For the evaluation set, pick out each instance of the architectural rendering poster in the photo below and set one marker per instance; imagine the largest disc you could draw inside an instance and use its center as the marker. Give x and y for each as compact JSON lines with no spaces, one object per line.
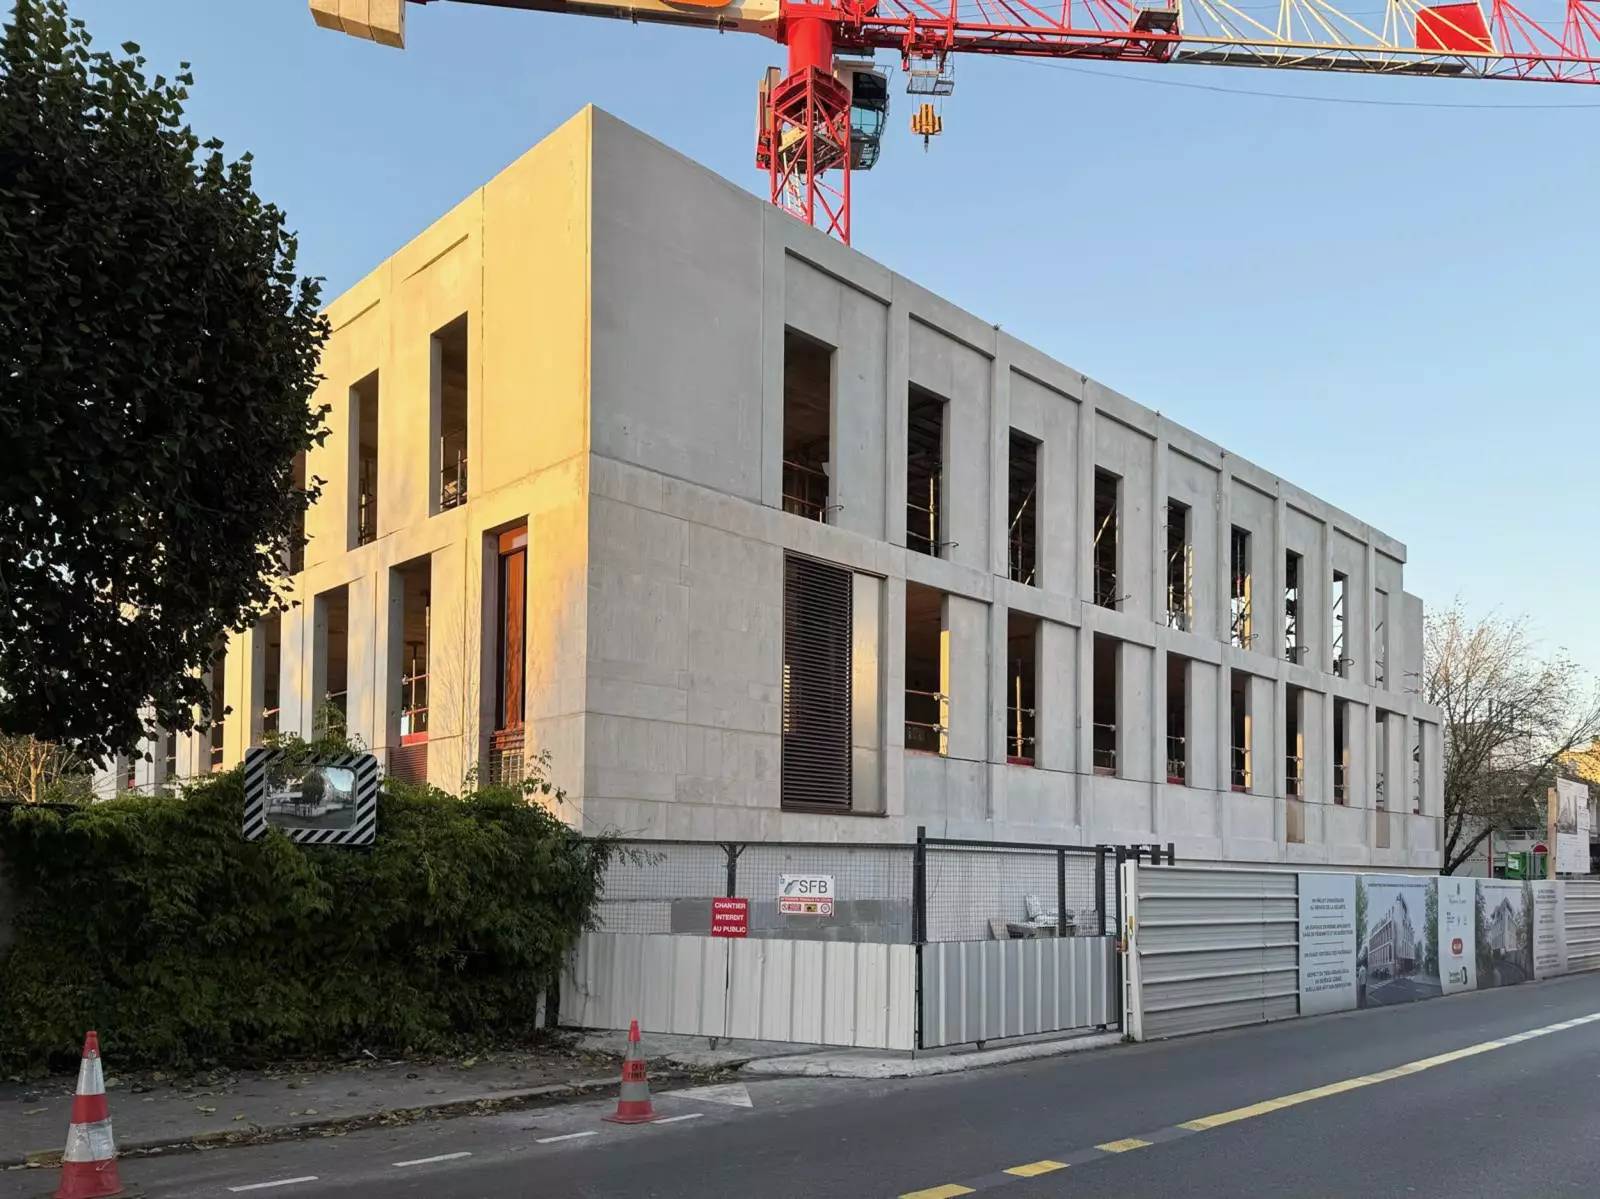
{"x":1570,"y":816}
{"x":1504,"y":925}
{"x":1327,"y":943}
{"x":1458,"y":942}
{"x":1549,"y":929}
{"x":1397,"y":929}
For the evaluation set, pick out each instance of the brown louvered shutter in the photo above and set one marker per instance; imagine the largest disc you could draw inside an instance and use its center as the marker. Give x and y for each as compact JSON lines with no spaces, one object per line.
{"x":816,"y":684}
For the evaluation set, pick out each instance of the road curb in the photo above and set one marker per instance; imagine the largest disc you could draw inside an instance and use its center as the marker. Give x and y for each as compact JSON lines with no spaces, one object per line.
{"x":856,"y":1065}
{"x":484,"y":1102}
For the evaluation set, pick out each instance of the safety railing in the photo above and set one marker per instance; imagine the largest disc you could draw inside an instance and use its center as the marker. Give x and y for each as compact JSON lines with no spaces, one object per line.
{"x":1239,"y":768}
{"x":1177,"y":758}
{"x":925,"y":729}
{"x":1105,"y":748}
{"x":805,"y":490}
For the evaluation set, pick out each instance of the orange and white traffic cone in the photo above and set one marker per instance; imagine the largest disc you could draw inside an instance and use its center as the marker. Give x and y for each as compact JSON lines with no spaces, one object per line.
{"x":89,"y":1164}
{"x":633,"y":1103}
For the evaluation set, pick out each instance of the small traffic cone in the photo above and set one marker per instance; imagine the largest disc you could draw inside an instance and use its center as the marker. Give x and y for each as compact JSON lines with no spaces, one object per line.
{"x":633,"y":1103}
{"x":89,"y":1163}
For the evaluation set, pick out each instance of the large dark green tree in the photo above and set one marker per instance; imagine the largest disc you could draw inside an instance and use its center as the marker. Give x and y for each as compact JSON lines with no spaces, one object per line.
{"x":158,"y":356}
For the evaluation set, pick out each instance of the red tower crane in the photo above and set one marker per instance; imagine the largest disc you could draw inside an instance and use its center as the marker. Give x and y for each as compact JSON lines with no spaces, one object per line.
{"x":821,"y":119}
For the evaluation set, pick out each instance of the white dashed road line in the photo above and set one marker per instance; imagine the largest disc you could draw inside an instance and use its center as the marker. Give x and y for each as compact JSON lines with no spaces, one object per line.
{"x":428,"y":1161}
{"x":566,"y":1136}
{"x":675,"y":1119}
{"x":282,"y":1182}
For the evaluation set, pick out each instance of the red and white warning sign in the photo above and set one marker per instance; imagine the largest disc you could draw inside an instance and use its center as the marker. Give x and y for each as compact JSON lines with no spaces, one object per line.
{"x":730,"y":917}
{"x":805,"y":895}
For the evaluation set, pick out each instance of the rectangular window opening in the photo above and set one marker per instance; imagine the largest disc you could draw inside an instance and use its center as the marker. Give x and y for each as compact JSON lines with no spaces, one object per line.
{"x":1242,"y":631}
{"x":1177,"y":719}
{"x":1180,"y":568}
{"x":414,"y":582}
{"x":364,"y":426}
{"x":331,"y":661}
{"x":807,"y":425}
{"x":1380,"y":639}
{"x":1294,"y":764}
{"x":1022,"y":647}
{"x":450,"y":372}
{"x":1380,"y":786}
{"x":1023,"y":510}
{"x":1341,"y":751}
{"x":506,"y":570}
{"x":817,"y":623}
{"x":271,"y":673}
{"x":1107,"y":687}
{"x":1417,"y":762}
{"x":925,"y":522}
{"x":927,"y":699}
{"x":218,"y":680}
{"x":171,"y":765}
{"x":1107,"y":517}
{"x":1291,"y":606}
{"x":1239,"y":723}
{"x":1336,"y":610}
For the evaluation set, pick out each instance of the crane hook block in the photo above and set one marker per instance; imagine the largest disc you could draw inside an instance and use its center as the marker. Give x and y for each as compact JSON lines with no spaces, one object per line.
{"x":926,"y":123}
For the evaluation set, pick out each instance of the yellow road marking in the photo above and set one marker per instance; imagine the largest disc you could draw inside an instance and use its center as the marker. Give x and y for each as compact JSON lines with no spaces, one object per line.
{"x":948,"y":1191}
{"x":1336,"y":1088}
{"x":1034,"y":1169}
{"x":1123,"y":1145}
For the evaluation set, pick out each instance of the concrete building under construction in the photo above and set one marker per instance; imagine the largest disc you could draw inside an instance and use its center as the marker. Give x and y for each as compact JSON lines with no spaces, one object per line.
{"x":761,"y":540}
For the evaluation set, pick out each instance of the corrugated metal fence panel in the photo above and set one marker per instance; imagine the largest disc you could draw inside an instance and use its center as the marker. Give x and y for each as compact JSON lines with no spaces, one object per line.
{"x":985,"y":990}
{"x":1583,"y":925}
{"x":1217,"y":948}
{"x":814,"y":992}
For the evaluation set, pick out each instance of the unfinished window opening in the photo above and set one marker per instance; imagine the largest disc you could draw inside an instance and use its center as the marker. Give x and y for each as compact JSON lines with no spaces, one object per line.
{"x":1380,"y":639}
{"x":1336,"y":610}
{"x":1023,"y":510}
{"x":450,"y":376}
{"x":297,"y":544}
{"x":170,"y":766}
{"x":1022,"y":647}
{"x":508,"y":561}
{"x":271,"y":633}
{"x":364,"y":428}
{"x":1106,"y":696}
{"x":1107,"y":508}
{"x":1241,"y":628}
{"x":927,"y":701}
{"x":925,"y":473}
{"x":1380,"y":784}
{"x":817,"y":616}
{"x":1341,"y":751}
{"x":1417,"y":752}
{"x":807,"y":422}
{"x":1291,"y":606}
{"x":1177,"y":719}
{"x":1180,"y":568}
{"x":130,"y":777}
{"x":1294,"y":763}
{"x":330,"y":661}
{"x":414,"y":582}
{"x":218,"y":681}
{"x":1239,"y":723}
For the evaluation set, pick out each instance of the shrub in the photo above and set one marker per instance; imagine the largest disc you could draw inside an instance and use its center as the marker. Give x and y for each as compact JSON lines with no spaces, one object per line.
{"x":150,"y":919}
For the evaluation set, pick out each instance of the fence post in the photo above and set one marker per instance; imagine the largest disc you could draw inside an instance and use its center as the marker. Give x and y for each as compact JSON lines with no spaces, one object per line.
{"x":919,"y":888}
{"x":1061,"y":892}
{"x":1100,"y":886}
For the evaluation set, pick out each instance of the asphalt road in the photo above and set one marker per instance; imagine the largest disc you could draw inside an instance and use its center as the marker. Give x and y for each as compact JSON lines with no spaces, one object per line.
{"x":1420,"y":1099}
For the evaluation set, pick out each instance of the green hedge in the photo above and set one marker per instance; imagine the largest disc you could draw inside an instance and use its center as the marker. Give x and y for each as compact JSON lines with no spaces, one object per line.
{"x":151,"y":920}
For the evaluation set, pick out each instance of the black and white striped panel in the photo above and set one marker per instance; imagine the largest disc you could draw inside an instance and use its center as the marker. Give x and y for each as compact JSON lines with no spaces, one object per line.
{"x":258,"y":759}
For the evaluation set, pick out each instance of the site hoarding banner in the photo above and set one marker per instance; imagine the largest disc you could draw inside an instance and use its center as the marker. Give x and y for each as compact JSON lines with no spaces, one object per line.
{"x":1397,"y":938}
{"x":1549,"y":929}
{"x":1327,"y":943}
{"x":1569,"y":822}
{"x":1503,"y":924}
{"x":1458,"y":942}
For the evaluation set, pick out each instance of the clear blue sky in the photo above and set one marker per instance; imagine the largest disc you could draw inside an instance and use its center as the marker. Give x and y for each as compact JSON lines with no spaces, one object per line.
{"x":1393,"y":306}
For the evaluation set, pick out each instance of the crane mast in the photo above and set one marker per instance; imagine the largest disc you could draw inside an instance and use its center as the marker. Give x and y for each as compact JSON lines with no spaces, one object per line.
{"x":821,"y":116}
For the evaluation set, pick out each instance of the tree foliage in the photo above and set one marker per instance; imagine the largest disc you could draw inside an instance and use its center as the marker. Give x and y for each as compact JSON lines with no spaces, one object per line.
{"x":1510,"y":717}
{"x":150,"y":919}
{"x":158,"y":355}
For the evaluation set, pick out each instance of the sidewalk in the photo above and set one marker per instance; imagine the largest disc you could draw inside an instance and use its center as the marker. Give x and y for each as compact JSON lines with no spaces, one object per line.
{"x":153,"y":1110}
